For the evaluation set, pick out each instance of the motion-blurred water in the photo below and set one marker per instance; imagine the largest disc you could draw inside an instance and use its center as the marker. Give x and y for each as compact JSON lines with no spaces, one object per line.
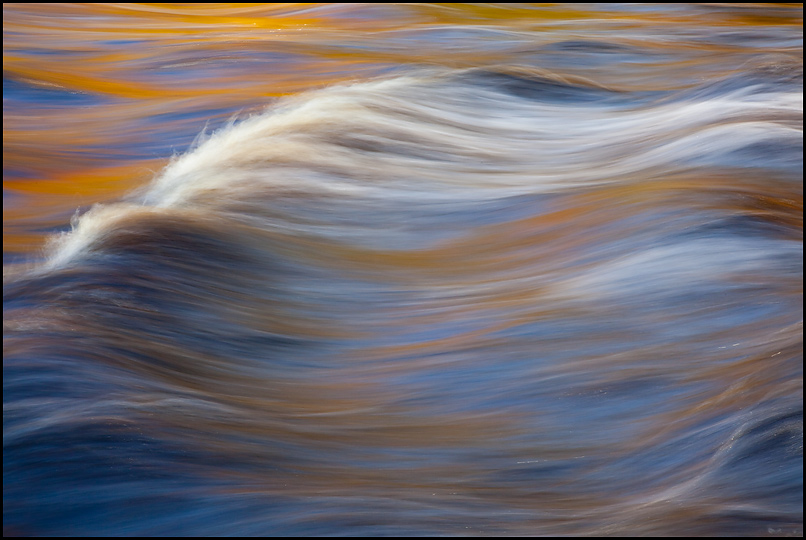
{"x":432,"y":269}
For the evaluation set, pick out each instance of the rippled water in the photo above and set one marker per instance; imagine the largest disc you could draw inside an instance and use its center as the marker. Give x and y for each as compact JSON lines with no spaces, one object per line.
{"x":431,"y":269}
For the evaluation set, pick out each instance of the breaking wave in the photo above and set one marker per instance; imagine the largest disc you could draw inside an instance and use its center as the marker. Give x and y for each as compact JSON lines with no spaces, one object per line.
{"x":495,"y":302}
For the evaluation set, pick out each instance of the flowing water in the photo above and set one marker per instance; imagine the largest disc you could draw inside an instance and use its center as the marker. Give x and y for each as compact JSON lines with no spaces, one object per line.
{"x":403,"y":269}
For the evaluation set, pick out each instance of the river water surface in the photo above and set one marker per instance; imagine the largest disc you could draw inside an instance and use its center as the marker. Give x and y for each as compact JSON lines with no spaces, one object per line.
{"x":402,"y":269}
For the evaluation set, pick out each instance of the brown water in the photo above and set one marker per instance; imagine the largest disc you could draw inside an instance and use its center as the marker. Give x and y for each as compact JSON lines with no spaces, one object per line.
{"x":507,"y":270}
